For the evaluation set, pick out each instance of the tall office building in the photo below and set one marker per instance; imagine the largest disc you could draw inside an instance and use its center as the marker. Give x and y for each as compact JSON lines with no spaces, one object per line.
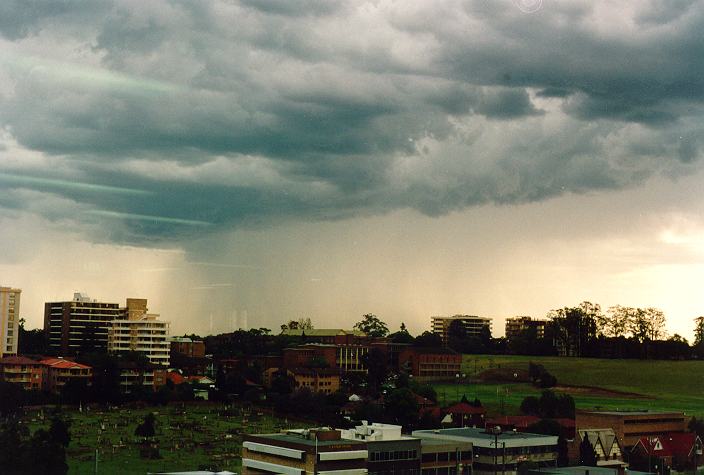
{"x":473,"y":325}
{"x":9,"y":320}
{"x":140,"y":331}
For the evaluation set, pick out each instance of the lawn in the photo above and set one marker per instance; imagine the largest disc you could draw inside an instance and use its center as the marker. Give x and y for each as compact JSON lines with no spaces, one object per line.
{"x":189,"y":437}
{"x":666,"y":385}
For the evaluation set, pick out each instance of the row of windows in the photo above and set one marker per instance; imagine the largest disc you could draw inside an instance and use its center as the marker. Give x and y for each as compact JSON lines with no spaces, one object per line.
{"x":539,"y":449}
{"x":395,"y":455}
{"x":447,"y":456}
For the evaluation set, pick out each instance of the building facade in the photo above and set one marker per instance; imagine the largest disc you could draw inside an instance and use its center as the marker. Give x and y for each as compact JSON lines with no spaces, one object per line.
{"x":79,"y":325}
{"x":27,"y":373}
{"x":630,"y":426}
{"x":300,"y":452}
{"x":322,"y":380}
{"x":473,"y":325}
{"x":390,"y":452}
{"x":517,"y":325}
{"x":9,"y":320}
{"x":60,"y":371}
{"x":140,"y":332}
{"x":188,"y":347}
{"x":503,"y":452}
{"x":444,"y":457}
{"x":430,"y":364}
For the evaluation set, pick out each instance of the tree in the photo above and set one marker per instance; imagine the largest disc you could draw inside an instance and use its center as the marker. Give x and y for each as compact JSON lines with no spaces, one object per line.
{"x":376,"y":361}
{"x":647,"y":324}
{"x":575,"y":328}
{"x":457,"y":336}
{"x":58,"y":431}
{"x":401,"y":408}
{"x":530,"y":406}
{"x":372,"y":325}
{"x":402,"y":336}
{"x":31,"y":342}
{"x":11,"y":398}
{"x":697,"y":426}
{"x":146,"y":428}
{"x":699,"y":333}
{"x":428,"y":340}
{"x":587,"y":454}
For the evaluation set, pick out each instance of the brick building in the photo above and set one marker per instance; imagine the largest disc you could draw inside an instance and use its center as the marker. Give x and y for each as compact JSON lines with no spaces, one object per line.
{"x":630,"y":426}
{"x":678,"y":451}
{"x":29,"y":374}
{"x":60,"y":371}
{"x":188,"y":347}
{"x":323,"y":380}
{"x":430,"y":364}
{"x":305,"y":355}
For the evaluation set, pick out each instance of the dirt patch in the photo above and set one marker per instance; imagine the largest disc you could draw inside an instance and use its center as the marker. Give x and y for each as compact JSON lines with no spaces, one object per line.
{"x":599,"y":392}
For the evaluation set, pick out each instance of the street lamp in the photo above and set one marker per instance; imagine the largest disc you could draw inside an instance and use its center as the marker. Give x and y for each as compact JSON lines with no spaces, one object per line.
{"x":496,"y":431}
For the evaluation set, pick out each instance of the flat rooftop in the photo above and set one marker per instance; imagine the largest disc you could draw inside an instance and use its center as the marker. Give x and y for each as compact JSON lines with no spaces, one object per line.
{"x":297,"y":439}
{"x":480,"y":438}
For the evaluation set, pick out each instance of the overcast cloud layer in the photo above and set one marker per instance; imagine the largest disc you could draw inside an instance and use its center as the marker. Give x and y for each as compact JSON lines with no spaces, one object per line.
{"x":159,"y":120}
{"x":168,"y":124}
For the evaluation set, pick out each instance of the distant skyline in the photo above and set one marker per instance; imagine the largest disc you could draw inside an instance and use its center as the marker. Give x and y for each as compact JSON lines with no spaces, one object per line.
{"x":330,"y":158}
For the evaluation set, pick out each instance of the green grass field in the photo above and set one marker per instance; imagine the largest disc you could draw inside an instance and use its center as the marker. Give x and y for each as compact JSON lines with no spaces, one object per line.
{"x":666,"y":385}
{"x":189,"y":437}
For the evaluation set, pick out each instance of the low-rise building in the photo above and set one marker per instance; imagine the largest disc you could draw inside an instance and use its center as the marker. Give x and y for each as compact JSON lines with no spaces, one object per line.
{"x":606,"y":446}
{"x":442,"y":457}
{"x":667,"y":452}
{"x":499,"y":451}
{"x":299,"y":452}
{"x":28,"y":373}
{"x":60,"y":371}
{"x":430,"y":364}
{"x":188,"y":347}
{"x":389,"y":450}
{"x":133,"y":375}
{"x":310,"y":354}
{"x":630,"y":426}
{"x":464,"y":414}
{"x":323,"y":380}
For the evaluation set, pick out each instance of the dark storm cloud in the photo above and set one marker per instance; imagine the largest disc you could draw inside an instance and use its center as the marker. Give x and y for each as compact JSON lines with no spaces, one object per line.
{"x":230,"y":112}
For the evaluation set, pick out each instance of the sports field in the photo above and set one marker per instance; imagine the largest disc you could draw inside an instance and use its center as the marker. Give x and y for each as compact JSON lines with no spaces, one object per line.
{"x":593,"y":383}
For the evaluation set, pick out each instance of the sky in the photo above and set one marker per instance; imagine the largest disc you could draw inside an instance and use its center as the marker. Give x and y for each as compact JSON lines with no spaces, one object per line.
{"x":241,"y":163}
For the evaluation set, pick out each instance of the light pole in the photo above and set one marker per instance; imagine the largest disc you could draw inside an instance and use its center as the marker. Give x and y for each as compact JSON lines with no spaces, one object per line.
{"x":457,"y":386}
{"x":496,"y":431}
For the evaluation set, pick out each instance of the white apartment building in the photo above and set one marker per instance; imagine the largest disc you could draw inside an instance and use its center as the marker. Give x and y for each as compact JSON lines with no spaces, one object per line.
{"x":9,"y":320}
{"x":141,"y":332}
{"x":472,"y":324}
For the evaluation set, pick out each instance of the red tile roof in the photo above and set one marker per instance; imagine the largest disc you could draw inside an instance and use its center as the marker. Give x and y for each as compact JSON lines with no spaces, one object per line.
{"x":678,"y":444}
{"x":63,"y":364}
{"x":18,"y":360}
